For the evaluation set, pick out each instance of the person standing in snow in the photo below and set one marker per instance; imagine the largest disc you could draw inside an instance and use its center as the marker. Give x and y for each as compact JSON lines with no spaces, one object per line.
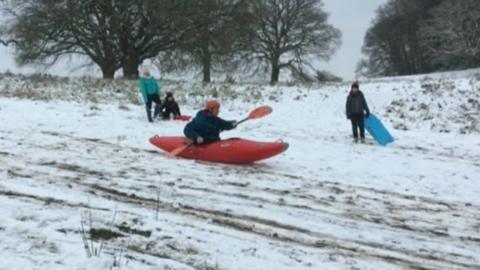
{"x":170,"y":107}
{"x":206,"y":126}
{"x":151,"y":93}
{"x":357,"y":109}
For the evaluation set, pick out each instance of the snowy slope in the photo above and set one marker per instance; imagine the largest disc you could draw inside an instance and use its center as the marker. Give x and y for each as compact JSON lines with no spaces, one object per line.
{"x":71,"y":151}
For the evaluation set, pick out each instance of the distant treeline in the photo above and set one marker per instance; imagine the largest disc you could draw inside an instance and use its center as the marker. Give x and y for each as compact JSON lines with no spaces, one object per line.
{"x":226,"y":35}
{"x":421,"y":36}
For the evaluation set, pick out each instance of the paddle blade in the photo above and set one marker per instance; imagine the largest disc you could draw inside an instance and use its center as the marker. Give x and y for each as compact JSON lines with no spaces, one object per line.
{"x":175,"y":152}
{"x":260,"y":112}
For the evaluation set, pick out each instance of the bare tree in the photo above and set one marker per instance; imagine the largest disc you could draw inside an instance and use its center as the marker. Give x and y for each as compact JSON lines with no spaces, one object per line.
{"x":212,"y":43}
{"x":146,"y":28}
{"x":45,"y":30}
{"x":451,"y":36}
{"x":111,"y":33}
{"x":286,"y":32}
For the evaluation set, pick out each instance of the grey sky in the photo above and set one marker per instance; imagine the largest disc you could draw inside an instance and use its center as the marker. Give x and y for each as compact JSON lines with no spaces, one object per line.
{"x":352,"y":17}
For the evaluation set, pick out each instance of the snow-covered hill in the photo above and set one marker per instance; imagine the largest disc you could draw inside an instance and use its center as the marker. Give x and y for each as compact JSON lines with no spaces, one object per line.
{"x":76,"y":151}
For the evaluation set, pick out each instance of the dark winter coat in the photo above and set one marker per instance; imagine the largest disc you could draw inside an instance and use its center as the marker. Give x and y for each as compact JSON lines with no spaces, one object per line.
{"x":356,"y":104}
{"x":170,"y":107}
{"x":207,"y":126}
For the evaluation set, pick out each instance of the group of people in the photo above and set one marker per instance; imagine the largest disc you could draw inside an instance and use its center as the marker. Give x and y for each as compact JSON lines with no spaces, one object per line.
{"x":166,"y":109}
{"x":206,"y":126}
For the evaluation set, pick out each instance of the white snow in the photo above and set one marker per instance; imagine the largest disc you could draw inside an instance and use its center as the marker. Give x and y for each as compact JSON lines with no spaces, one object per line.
{"x":76,"y":150}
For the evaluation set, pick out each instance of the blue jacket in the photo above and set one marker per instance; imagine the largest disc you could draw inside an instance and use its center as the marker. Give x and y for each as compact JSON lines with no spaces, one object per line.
{"x":356,"y":104}
{"x":206,"y":126}
{"x":149,"y":86}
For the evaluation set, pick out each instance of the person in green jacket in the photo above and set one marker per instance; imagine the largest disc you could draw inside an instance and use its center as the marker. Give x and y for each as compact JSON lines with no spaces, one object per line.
{"x":151,"y":93}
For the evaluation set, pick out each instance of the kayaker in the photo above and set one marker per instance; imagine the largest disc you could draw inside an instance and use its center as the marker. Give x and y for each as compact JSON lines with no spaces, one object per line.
{"x":206,"y":126}
{"x":150,"y":93}
{"x":170,"y":109}
{"x":357,"y":109}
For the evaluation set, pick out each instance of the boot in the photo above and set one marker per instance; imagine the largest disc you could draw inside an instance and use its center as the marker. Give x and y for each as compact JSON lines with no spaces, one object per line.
{"x":149,"y":115}
{"x":156,"y":111}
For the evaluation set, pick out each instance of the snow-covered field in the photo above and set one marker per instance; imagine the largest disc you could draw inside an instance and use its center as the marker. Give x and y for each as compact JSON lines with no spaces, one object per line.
{"x":71,"y":156}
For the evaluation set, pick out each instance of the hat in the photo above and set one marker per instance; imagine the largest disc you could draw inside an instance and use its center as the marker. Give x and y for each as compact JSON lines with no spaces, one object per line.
{"x":212,"y":104}
{"x":355,"y":85}
{"x":169,"y":94}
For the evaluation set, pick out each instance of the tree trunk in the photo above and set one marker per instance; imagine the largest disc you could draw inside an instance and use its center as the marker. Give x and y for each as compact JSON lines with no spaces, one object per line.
{"x":130,"y":61}
{"x":108,"y":71}
{"x":130,"y":67}
{"x":206,"y":72}
{"x":275,"y":72}
{"x":206,"y":64}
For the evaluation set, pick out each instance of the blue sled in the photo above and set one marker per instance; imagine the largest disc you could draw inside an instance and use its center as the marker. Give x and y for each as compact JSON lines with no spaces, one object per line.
{"x":375,"y":127}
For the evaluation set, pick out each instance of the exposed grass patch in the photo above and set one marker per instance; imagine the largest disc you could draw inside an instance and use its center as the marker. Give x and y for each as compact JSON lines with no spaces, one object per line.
{"x":28,"y":93}
{"x":103,"y":234}
{"x":124,"y":227}
{"x":123,"y":107}
{"x":64,"y":231}
{"x":123,"y":92}
{"x":477,"y":76}
{"x":115,"y":192}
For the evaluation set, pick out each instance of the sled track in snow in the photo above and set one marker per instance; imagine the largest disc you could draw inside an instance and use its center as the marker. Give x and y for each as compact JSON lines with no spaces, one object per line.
{"x":131,"y":176}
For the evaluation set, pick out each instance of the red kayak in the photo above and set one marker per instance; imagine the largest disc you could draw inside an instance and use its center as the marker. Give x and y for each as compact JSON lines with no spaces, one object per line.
{"x":233,"y":151}
{"x":183,"y":117}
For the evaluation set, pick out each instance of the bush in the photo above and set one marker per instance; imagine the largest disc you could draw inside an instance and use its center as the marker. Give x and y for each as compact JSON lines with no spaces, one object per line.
{"x":325,"y":76}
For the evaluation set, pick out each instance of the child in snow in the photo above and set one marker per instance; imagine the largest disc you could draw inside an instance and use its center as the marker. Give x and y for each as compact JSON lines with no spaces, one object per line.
{"x":170,"y":109}
{"x":356,"y":109}
{"x":150,"y":93}
{"x":206,"y":126}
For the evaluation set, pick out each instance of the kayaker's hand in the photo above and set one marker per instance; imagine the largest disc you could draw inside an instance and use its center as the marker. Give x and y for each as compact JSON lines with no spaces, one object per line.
{"x":199,"y":139}
{"x":234,"y":124}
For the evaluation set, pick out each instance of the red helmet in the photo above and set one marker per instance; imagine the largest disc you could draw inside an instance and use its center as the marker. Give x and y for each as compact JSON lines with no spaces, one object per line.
{"x":211,"y":105}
